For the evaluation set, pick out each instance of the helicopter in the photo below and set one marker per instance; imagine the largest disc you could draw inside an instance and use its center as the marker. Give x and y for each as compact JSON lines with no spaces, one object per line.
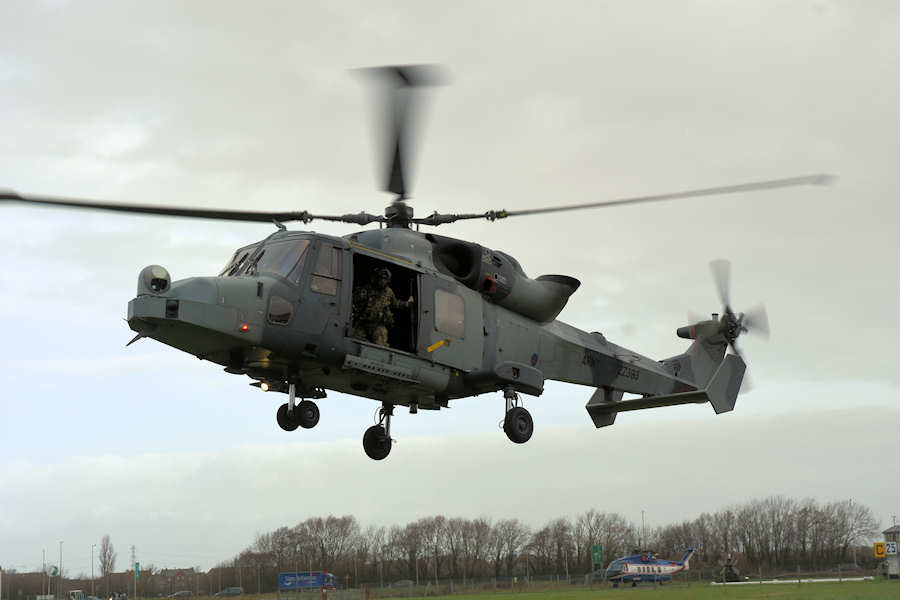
{"x":645,"y":566}
{"x":284,"y":310}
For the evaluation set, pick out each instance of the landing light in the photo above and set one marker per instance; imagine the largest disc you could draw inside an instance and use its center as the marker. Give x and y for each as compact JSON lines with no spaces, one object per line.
{"x":264,"y":386}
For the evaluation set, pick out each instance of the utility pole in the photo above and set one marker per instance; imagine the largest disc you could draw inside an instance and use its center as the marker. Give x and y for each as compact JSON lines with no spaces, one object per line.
{"x":642,"y":531}
{"x":43,"y":570}
{"x":853,"y":519}
{"x":59,"y":579}
{"x":92,"y":569}
{"x":134,"y":566}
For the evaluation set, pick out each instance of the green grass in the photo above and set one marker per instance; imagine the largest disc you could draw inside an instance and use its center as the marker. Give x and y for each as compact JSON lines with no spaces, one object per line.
{"x":814,"y":591}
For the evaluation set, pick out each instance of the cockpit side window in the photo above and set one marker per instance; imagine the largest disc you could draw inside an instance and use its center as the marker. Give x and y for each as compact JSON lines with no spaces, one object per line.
{"x":328,"y":270}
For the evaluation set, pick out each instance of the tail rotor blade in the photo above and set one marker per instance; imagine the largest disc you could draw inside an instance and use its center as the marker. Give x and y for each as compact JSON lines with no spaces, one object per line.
{"x":747,"y":384}
{"x":757,"y":321}
{"x":721,"y":270}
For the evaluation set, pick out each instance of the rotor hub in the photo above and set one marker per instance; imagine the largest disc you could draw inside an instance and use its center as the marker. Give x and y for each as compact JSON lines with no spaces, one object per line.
{"x":398,"y":214}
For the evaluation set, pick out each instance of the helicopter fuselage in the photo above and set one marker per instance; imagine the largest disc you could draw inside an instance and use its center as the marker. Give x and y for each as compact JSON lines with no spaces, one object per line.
{"x":281,"y":312}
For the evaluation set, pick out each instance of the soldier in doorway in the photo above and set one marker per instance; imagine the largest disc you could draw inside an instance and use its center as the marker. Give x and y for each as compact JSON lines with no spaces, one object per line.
{"x":373,"y":308}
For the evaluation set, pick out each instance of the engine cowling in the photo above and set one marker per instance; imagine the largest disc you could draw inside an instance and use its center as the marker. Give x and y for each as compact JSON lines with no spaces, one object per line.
{"x":500,"y":278}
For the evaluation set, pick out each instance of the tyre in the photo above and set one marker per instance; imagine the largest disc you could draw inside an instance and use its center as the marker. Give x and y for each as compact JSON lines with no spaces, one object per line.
{"x":376,"y":443}
{"x":284,"y":419}
{"x":307,"y":414}
{"x":518,"y":425}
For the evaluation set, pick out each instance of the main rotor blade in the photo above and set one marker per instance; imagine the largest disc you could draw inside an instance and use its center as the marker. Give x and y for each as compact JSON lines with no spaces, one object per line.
{"x":198,"y":213}
{"x":493,"y":215}
{"x":401,"y":104}
{"x":721,"y":270}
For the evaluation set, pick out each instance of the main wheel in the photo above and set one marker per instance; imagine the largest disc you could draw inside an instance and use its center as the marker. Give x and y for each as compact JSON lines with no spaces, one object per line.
{"x":307,"y":414}
{"x":376,"y":443}
{"x":518,"y":425}
{"x":285,"y":420}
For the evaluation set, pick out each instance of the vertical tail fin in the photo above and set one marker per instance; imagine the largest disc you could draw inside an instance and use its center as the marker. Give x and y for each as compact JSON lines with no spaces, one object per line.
{"x":685,"y":560}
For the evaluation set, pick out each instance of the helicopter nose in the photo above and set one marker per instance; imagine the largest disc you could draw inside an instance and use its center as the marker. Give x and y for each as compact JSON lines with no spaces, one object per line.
{"x":200,"y":315}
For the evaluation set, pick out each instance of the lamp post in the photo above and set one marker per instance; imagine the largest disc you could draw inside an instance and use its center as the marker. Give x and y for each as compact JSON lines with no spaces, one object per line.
{"x":59,"y":579}
{"x":92,"y":569}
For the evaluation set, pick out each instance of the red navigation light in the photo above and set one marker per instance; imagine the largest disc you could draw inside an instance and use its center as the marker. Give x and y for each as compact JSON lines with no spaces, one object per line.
{"x":244,"y":327}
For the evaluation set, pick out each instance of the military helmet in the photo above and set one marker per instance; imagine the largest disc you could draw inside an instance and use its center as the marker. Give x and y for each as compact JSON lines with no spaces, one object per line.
{"x":383,"y":274}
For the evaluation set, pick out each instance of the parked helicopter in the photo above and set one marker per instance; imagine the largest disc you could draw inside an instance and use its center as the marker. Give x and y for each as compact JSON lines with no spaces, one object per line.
{"x":282,"y":311}
{"x":644,"y":566}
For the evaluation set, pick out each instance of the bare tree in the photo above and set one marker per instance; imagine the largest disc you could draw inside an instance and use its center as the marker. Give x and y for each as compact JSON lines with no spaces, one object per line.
{"x":107,"y":558}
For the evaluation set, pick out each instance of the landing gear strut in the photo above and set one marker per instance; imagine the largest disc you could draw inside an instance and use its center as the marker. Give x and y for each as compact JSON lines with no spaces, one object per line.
{"x":517,"y":424}
{"x":291,"y":415}
{"x":377,"y":439}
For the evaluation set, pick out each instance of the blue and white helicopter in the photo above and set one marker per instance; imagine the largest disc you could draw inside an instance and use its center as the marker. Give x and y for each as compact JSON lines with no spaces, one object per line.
{"x":644,"y":566}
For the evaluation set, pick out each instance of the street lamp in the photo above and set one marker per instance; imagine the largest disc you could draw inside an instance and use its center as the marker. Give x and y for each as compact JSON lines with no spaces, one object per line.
{"x":92,"y":569}
{"x":59,"y":579}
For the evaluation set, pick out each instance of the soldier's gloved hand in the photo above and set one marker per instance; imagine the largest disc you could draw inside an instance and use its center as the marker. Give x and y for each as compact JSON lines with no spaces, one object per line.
{"x":410,"y":301}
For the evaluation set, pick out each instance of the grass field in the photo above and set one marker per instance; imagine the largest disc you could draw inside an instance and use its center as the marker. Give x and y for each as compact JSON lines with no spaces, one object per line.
{"x":814,"y":591}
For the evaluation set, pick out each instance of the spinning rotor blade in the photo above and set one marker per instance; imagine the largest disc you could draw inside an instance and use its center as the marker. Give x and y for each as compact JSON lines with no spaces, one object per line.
{"x":401,"y":103}
{"x":492,"y":215}
{"x":721,"y":270}
{"x":198,"y":213}
{"x":757,"y":321}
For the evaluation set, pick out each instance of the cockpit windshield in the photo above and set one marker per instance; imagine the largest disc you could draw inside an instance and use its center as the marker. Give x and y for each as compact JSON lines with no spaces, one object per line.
{"x":281,"y":257}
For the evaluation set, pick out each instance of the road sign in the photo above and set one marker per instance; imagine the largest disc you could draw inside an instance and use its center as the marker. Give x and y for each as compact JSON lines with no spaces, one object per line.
{"x":597,"y":554}
{"x":890,"y":548}
{"x":54,"y":571}
{"x":137,"y":570}
{"x":879,"y":550}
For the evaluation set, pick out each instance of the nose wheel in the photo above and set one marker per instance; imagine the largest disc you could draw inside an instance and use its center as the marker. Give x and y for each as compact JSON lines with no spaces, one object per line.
{"x":292,"y":415}
{"x":517,"y":424}
{"x":377,"y":438}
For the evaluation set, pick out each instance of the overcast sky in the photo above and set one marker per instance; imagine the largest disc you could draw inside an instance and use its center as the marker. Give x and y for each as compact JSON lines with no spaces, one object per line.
{"x":227,"y":105}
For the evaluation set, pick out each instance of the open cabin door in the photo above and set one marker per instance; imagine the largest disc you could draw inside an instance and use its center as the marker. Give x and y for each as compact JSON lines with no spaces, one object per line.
{"x":403,"y":324}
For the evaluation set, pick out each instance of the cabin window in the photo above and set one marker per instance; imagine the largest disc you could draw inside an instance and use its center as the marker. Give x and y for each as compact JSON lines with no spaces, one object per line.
{"x":328,"y":271}
{"x":449,"y":313}
{"x":280,"y":310}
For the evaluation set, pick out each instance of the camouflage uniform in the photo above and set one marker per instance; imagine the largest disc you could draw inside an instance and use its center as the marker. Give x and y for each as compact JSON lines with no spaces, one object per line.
{"x":373,"y":312}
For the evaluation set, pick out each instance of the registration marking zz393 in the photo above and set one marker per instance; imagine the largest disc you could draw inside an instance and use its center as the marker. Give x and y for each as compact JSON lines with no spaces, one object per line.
{"x":629,"y":372}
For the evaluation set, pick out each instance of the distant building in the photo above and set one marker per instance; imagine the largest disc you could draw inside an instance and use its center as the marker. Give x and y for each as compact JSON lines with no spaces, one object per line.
{"x":178,"y":579}
{"x":892,"y":562}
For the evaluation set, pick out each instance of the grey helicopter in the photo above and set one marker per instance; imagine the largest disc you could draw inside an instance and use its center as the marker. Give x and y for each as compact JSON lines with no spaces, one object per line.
{"x":456,"y":319}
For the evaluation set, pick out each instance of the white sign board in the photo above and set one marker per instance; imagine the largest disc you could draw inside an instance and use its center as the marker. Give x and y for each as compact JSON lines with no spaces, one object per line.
{"x":890,"y":548}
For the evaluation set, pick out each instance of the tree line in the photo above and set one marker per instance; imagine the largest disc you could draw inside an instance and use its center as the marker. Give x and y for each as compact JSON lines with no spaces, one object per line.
{"x":774,"y":534}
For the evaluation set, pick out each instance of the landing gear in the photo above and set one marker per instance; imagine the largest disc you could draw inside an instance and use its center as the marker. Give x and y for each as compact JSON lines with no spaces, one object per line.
{"x":285,"y":419}
{"x":291,"y":415}
{"x":517,"y":424}
{"x":377,"y":439}
{"x":307,"y":414}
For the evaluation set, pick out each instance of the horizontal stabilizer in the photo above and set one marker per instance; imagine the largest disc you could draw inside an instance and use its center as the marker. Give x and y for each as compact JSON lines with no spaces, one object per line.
{"x":721,"y":392}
